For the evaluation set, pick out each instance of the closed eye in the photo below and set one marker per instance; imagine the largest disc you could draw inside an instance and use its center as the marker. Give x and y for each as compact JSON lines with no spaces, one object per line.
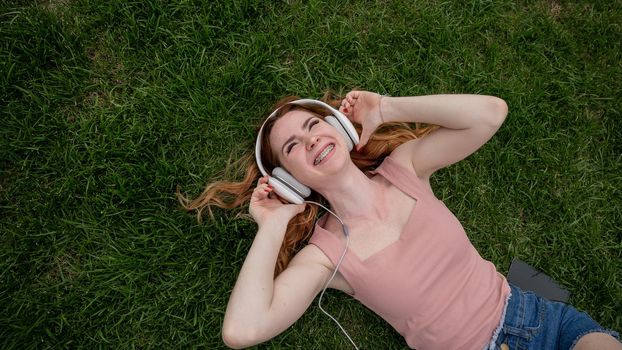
{"x":292,"y":144}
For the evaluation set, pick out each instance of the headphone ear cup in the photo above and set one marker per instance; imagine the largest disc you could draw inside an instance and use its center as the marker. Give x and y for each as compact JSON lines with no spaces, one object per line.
{"x":283,"y":191}
{"x":342,"y":130}
{"x":290,"y":182}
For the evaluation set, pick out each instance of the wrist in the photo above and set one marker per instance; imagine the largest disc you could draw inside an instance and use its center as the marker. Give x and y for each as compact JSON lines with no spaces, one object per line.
{"x":380,"y":109}
{"x":275,"y":228}
{"x":385,"y":106}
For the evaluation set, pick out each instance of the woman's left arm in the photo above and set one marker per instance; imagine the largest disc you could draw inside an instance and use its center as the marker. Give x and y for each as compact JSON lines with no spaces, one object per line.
{"x":467,"y":122}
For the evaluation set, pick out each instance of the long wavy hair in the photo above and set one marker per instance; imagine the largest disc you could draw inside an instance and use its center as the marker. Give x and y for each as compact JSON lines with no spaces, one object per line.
{"x":232,"y":194}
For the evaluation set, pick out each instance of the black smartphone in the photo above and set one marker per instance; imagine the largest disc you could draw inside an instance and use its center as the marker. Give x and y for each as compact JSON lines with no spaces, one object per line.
{"x":528,"y":278}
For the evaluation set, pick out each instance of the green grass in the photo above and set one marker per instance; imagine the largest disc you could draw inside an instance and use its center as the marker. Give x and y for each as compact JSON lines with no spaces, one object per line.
{"x":107,"y":106}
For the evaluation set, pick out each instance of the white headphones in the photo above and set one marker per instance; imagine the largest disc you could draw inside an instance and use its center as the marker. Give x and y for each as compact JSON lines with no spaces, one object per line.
{"x":284,"y":184}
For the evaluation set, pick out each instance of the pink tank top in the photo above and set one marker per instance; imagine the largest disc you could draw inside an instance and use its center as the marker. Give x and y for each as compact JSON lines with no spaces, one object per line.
{"x":431,"y":284}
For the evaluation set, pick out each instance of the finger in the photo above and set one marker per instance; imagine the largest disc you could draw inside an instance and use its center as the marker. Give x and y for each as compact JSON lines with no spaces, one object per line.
{"x":257,"y":194}
{"x":343,"y":108}
{"x":349,"y":99}
{"x":263,"y":188}
{"x":262,"y":180}
{"x":352,"y":94}
{"x":263,"y":195}
{"x":346,"y":111}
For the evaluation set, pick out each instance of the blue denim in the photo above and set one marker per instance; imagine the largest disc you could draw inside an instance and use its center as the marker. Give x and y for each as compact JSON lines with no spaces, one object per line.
{"x":532,"y":322}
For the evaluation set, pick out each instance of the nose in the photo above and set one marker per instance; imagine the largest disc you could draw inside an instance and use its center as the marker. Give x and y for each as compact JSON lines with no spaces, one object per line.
{"x":311,"y":141}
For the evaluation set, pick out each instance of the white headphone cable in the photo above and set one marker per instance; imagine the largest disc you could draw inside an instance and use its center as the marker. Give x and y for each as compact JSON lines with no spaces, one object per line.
{"x":347,"y":234}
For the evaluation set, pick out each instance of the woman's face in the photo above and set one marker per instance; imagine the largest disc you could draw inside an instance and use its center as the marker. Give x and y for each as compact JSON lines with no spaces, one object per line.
{"x":308,"y":147}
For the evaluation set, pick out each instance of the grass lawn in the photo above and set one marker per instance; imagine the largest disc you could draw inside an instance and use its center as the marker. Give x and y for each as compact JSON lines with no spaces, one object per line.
{"x":107,"y":106}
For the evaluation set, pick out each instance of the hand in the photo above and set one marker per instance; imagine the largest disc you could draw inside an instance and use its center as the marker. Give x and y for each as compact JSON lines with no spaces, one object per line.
{"x":363,"y":107}
{"x":265,"y":205}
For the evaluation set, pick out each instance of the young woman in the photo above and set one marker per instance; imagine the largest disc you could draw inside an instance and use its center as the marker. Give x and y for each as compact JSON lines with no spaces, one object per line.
{"x":408,"y":258}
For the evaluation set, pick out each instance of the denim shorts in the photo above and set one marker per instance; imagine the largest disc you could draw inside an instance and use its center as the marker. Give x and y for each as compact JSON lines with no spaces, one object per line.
{"x":532,"y":322}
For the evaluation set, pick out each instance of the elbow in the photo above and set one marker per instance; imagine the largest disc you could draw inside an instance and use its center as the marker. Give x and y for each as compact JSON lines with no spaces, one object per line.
{"x":233,"y":339}
{"x":499,"y":110}
{"x":236,"y":338}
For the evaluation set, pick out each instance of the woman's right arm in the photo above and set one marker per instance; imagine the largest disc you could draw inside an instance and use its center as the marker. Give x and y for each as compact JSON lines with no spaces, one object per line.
{"x":261,"y":307}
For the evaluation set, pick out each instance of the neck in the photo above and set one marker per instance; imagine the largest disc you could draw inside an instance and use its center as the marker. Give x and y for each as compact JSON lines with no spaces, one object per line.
{"x":353,"y":196}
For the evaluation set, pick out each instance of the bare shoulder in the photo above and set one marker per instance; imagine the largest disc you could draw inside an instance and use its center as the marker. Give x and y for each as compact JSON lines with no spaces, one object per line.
{"x":311,"y":255}
{"x":403,"y":155}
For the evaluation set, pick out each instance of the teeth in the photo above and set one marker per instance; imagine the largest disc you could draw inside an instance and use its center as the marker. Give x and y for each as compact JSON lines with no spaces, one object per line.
{"x":323,"y":154}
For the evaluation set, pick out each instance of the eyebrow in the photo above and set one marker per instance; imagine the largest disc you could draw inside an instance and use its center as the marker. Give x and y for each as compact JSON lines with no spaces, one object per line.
{"x":304,"y":126}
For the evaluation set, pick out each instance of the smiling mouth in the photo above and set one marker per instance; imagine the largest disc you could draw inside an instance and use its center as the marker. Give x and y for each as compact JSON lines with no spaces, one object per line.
{"x":324,"y":153}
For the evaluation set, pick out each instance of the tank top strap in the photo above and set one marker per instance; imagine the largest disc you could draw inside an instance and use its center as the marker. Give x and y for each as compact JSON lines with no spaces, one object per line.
{"x":325,"y":240}
{"x":404,"y":179}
